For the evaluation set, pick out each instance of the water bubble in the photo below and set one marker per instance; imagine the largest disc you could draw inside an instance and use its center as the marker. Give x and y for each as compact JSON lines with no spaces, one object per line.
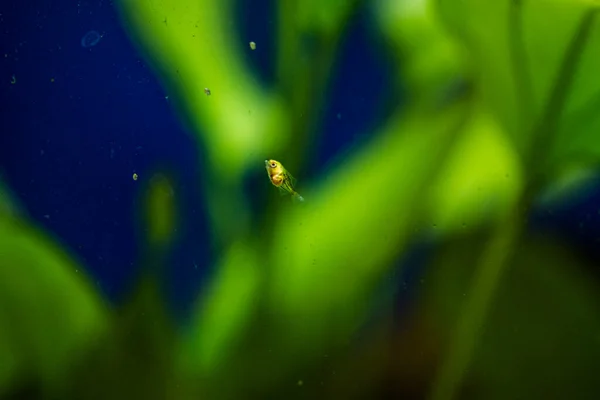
{"x":90,"y":39}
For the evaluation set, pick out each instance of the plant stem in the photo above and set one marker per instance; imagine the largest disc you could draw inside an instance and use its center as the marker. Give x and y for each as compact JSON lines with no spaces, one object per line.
{"x":518,"y":55}
{"x":544,"y":134}
{"x":493,"y":263}
{"x":500,"y":250}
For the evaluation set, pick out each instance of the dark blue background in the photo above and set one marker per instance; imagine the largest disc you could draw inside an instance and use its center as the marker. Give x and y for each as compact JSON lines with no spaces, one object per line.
{"x":79,"y":122}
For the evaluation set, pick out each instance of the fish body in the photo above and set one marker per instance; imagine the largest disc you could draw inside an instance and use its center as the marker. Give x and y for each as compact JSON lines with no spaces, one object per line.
{"x":282,"y":179}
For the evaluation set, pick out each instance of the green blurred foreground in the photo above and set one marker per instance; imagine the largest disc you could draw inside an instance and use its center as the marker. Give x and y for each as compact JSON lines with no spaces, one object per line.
{"x":500,"y":314}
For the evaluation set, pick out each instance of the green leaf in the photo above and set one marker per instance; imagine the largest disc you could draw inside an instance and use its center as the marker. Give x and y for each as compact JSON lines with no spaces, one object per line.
{"x":479,"y":183}
{"x":49,"y":314}
{"x":225,"y":311}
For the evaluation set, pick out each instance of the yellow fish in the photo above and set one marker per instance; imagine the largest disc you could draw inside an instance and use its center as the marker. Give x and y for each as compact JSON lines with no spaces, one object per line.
{"x":282,"y":179}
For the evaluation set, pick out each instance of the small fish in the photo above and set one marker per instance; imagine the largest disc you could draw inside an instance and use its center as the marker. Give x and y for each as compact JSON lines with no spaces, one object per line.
{"x":282,"y":179}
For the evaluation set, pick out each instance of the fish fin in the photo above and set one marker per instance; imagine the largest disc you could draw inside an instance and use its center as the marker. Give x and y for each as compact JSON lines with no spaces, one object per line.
{"x":282,"y":191}
{"x":292,"y":179}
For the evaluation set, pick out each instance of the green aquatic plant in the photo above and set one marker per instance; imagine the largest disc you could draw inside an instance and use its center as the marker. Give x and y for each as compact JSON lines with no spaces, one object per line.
{"x":501,"y":103}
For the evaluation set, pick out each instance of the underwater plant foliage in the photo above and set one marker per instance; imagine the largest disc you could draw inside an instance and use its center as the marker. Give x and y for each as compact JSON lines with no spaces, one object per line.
{"x":501,"y":99}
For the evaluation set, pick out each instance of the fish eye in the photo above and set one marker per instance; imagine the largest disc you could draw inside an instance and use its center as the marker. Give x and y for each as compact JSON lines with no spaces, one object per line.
{"x":273,"y":165}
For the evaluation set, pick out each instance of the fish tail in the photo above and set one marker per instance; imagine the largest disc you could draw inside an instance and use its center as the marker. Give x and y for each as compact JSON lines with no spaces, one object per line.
{"x":296,"y":197}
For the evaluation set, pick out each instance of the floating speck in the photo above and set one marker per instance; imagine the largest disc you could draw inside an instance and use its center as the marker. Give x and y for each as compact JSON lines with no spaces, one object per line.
{"x":135,"y":176}
{"x":253,"y":45}
{"x":207,"y":91}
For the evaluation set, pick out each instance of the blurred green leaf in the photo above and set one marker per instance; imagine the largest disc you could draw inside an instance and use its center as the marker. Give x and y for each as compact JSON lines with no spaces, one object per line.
{"x":328,"y":255}
{"x":192,"y":45}
{"x":160,"y":211}
{"x":324,"y":17}
{"x":50,"y":315}
{"x":222,"y":317}
{"x":431,"y":60}
{"x":541,"y":338}
{"x":480,"y":182}
{"x":537,"y":68}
